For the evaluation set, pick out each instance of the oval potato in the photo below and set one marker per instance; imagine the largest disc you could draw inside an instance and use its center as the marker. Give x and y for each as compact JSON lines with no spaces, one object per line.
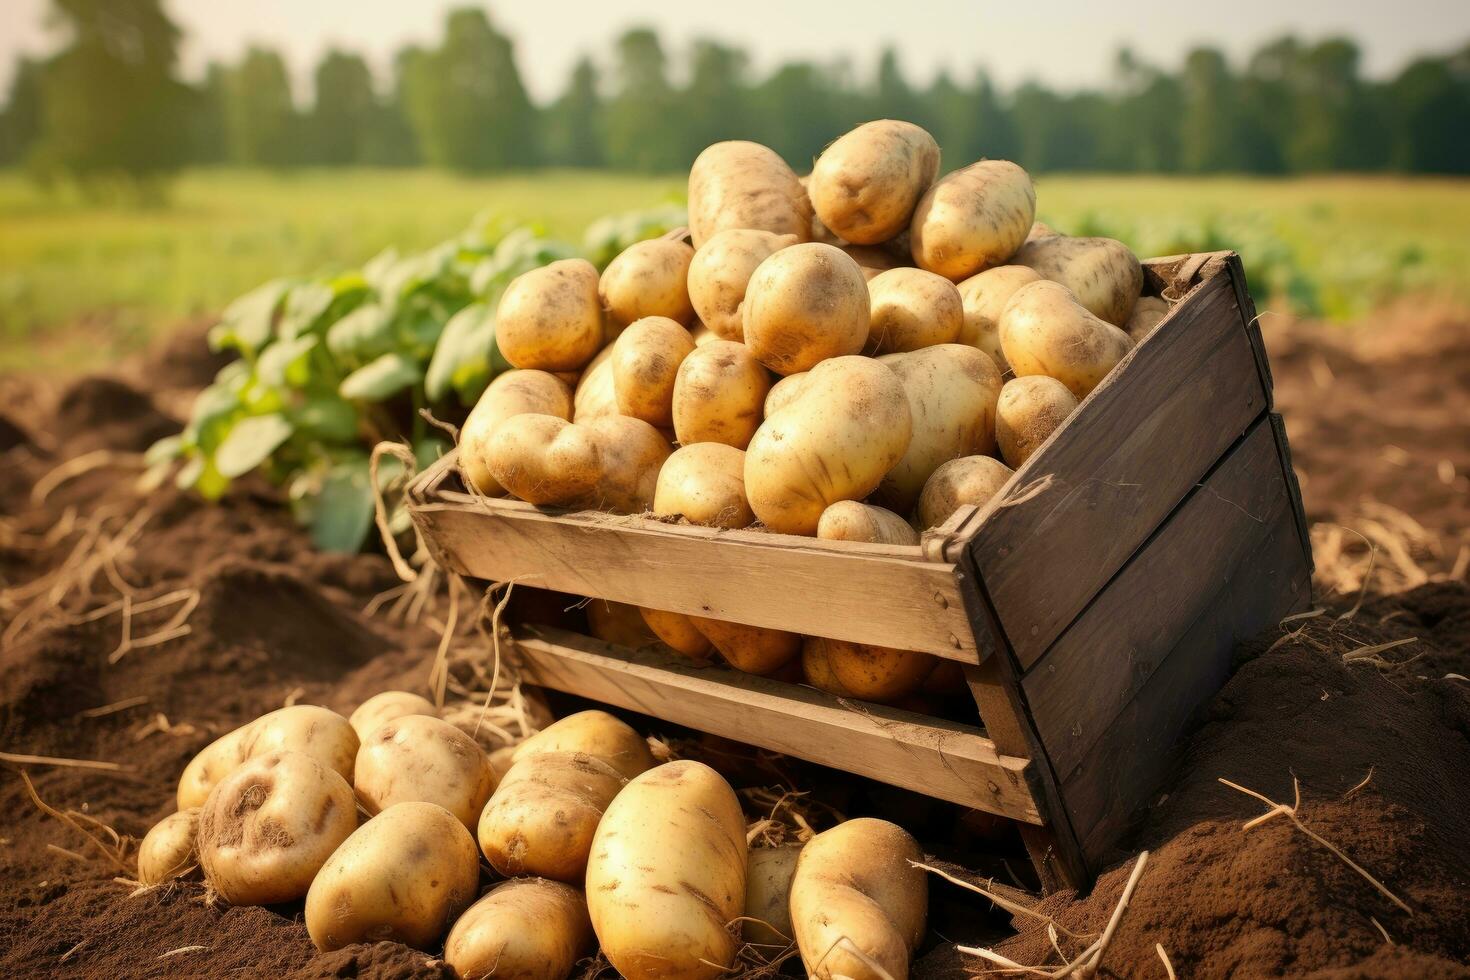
{"x":753,"y":649}
{"x":595,"y":395}
{"x":865,"y":185}
{"x":767,"y":891}
{"x":648,"y":278}
{"x":984,"y":297}
{"x":630,"y":453}
{"x":739,"y":184}
{"x":679,"y":632}
{"x":719,"y":394}
{"x":551,"y":318}
{"x":805,"y":304}
{"x":721,"y":271}
{"x":424,"y":759}
{"x":849,"y":520}
{"x":168,"y":849}
{"x":388,"y":706}
{"x":541,"y":819}
{"x":1029,"y":410}
{"x":1147,"y":313}
{"x":528,"y":929}
{"x":545,"y":460}
{"x":865,"y":670}
{"x":1103,"y":273}
{"x":973,"y":219}
{"x":969,"y":480}
{"x":705,"y":484}
{"x":785,"y":391}
{"x":646,"y":359}
{"x":911,"y":309}
{"x":514,"y":392}
{"x":319,"y":732}
{"x":1045,"y":330}
{"x":596,"y":733}
{"x":619,"y":624}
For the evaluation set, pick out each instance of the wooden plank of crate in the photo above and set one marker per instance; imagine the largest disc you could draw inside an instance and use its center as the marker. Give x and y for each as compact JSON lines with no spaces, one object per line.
{"x":1278,"y":426}
{"x":1106,"y":479}
{"x":1095,"y":668}
{"x":938,"y":758}
{"x":867,"y":593}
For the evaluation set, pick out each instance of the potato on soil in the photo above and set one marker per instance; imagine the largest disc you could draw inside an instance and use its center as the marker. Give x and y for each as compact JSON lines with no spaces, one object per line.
{"x":719,"y":395}
{"x":545,"y":460}
{"x":551,"y":318}
{"x":418,"y":758}
{"x":973,"y":219}
{"x":595,"y":395}
{"x":705,"y":484}
{"x":618,"y":623}
{"x":969,"y":480}
{"x":388,"y":706}
{"x":738,"y":184}
{"x":666,"y":878}
{"x":321,"y":733}
{"x":865,"y":185}
{"x":541,"y":819}
{"x":1029,"y":410}
{"x":167,"y":850}
{"x":596,"y":733}
{"x":858,"y":905}
{"x":270,"y":825}
{"x":1102,"y":273}
{"x":403,"y":876}
{"x":863,"y":670}
{"x":1045,"y":330}
{"x":984,"y":298}
{"x":646,"y":359}
{"x":1147,"y":313}
{"x":805,"y":304}
{"x":649,"y":278}
{"x":849,"y":520}
{"x":721,"y":271}
{"x":753,"y":649}
{"x":511,"y":393}
{"x":630,"y":453}
{"x":678,"y":632}
{"x":527,"y":929}
{"x":910,"y":309}
{"x":849,"y":426}
{"x":768,"y":875}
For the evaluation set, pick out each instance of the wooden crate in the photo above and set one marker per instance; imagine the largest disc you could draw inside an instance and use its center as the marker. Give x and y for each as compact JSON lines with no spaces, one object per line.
{"x":1095,"y":604}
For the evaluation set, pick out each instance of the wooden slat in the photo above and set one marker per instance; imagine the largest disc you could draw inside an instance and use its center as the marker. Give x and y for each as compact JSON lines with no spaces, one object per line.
{"x":868,"y":593}
{"x":1097,"y":666}
{"x":938,"y":758}
{"x":1283,"y":448}
{"x":1109,"y":476}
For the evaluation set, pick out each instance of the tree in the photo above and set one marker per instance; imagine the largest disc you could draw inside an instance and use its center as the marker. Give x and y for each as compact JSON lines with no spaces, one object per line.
{"x":892,"y":97}
{"x":344,"y":109}
{"x":1431,"y":99}
{"x":717,"y":101}
{"x":209,"y":140}
{"x":574,"y":125}
{"x":20,"y":123}
{"x":1208,"y":131}
{"x":801,"y":109}
{"x":260,"y":118}
{"x":640,"y":131}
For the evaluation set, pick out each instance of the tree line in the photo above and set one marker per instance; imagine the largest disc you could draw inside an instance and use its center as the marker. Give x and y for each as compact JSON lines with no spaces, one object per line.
{"x":111,"y":105}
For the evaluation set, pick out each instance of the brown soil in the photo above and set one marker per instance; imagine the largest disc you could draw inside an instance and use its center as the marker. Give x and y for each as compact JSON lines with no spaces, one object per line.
{"x":277,"y":621}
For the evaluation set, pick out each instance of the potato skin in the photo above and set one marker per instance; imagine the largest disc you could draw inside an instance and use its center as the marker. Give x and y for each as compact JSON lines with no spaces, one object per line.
{"x":856,"y":881}
{"x":910,"y":309}
{"x":805,"y":304}
{"x":784,"y":392}
{"x":167,"y":850}
{"x":1147,"y":313}
{"x":595,"y":394}
{"x":848,"y":427}
{"x":705,"y":484}
{"x":425,"y":759}
{"x":649,"y":278}
{"x":268,"y":827}
{"x":1028,"y":412}
{"x":545,"y":460}
{"x":864,"y":670}
{"x":849,"y":520}
{"x":1104,"y":274}
{"x":527,"y":929}
{"x":678,"y":632}
{"x":630,"y":453}
{"x":739,"y":184}
{"x":721,"y":271}
{"x":719,"y":394}
{"x":768,"y":873}
{"x":513,"y":393}
{"x":865,"y":185}
{"x":875,"y":260}
{"x":753,"y":649}
{"x":541,"y":819}
{"x":323,"y":734}
{"x":596,"y":733}
{"x":667,"y":875}
{"x":388,"y":706}
{"x":619,"y":624}
{"x":1045,"y":330}
{"x":984,"y":297}
{"x":973,"y":219}
{"x":551,"y":318}
{"x":968,"y":480}
{"x":646,"y":359}
{"x":403,"y":876}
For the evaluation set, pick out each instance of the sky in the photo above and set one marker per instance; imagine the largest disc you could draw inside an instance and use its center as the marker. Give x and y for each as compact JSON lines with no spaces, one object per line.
{"x":1065,"y":43}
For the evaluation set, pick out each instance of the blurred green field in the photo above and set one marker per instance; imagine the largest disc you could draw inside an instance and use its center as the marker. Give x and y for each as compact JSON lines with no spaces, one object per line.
{"x":81,"y":284}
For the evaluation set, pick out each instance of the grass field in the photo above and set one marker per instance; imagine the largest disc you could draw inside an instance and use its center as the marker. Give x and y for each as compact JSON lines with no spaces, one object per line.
{"x":81,"y":284}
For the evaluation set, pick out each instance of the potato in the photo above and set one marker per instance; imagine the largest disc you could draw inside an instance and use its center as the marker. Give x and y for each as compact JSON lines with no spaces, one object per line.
{"x":1040,"y":229}
{"x":511,"y":393}
{"x":968,"y":480}
{"x":1102,"y":273}
{"x":529,"y":929}
{"x":666,"y":877}
{"x":784,"y":392}
{"x":768,"y":873}
{"x":545,"y":460}
{"x":418,"y":758}
{"x":388,"y":706}
{"x":864,"y":670}
{"x":403,"y":877}
{"x":551,"y":318}
{"x":849,"y":426}
{"x":874,"y":260}
{"x":1044,"y":330}
{"x":1028,"y":412}
{"x":858,"y":905}
{"x":679,"y":632}
{"x":738,"y":184}
{"x":973,"y":219}
{"x":952,"y":391}
{"x":267,"y":827}
{"x":630,"y":453}
{"x":721,"y":271}
{"x":718,"y":395}
{"x":595,"y":395}
{"x":753,"y":649}
{"x":1147,"y":313}
{"x":322,"y":734}
{"x":705,"y":484}
{"x":848,"y":520}
{"x":947,"y":677}
{"x":167,"y":850}
{"x":984,"y":297}
{"x":816,"y":669}
{"x":541,"y":819}
{"x":646,"y":359}
{"x":865,"y":185}
{"x":804,"y":304}
{"x":910,"y":309}
{"x":596,"y":733}
{"x":619,"y":624}
{"x":649,"y":278}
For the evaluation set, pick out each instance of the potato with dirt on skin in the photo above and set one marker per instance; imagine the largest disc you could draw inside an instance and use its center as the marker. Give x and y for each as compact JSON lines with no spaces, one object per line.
{"x":719,"y":395}
{"x":972,"y":480}
{"x":859,"y":907}
{"x":646,"y":359}
{"x":595,"y":395}
{"x":618,"y":623}
{"x":767,"y":889}
{"x":319,"y":732}
{"x":874,"y":261}
{"x":1045,"y":330}
{"x":545,"y":460}
{"x":167,"y":850}
{"x":527,"y":929}
{"x":784,"y":392}
{"x":866,"y":184}
{"x":850,"y":520}
{"x":404,"y":876}
{"x":805,"y":304}
{"x":630,"y":453}
{"x":648,"y":278}
{"x":388,"y":706}
{"x":513,"y":393}
{"x":1104,"y":274}
{"x":596,"y":733}
{"x":973,"y":219}
{"x":720,"y":274}
{"x":1029,"y":410}
{"x":984,"y":297}
{"x":551,"y":318}
{"x":863,"y":670}
{"x":704,"y":483}
{"x":268,"y":827}
{"x":678,"y":632}
{"x":739,"y":184}
{"x":666,"y":876}
{"x":754,"y":649}
{"x":911,"y":309}
{"x":1147,"y":313}
{"x":423,"y":759}
{"x":543,"y":815}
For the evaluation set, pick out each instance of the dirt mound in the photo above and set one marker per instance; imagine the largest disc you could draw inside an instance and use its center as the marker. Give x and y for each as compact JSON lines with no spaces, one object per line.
{"x":104,"y":413}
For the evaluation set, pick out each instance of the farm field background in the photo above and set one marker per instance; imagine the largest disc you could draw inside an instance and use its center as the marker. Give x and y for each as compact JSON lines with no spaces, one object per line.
{"x":81,"y":284}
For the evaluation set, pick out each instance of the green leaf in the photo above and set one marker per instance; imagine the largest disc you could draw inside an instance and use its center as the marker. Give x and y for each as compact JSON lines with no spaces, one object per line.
{"x":362,"y":334}
{"x":327,"y":417}
{"x":462,"y":358}
{"x":342,"y":512}
{"x":165,"y":450}
{"x":304,"y":309}
{"x":246,"y":323}
{"x":214,"y":408}
{"x":286,"y":362}
{"x":250,"y":443}
{"x":385,"y":376}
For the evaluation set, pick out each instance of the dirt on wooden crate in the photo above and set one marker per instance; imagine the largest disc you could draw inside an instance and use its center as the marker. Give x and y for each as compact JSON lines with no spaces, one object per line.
{"x":1364,"y":703}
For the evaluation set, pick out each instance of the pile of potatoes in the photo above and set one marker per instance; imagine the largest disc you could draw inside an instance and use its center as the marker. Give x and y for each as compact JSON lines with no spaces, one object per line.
{"x":852,"y":355}
{"x":380,"y":822}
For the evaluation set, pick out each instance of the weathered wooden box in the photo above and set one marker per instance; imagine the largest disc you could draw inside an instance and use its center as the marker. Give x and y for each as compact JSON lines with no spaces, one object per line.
{"x":1095,"y":604}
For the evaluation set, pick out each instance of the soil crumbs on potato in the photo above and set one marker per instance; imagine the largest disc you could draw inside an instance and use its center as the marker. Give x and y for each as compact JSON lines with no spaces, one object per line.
{"x":1380,"y":741}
